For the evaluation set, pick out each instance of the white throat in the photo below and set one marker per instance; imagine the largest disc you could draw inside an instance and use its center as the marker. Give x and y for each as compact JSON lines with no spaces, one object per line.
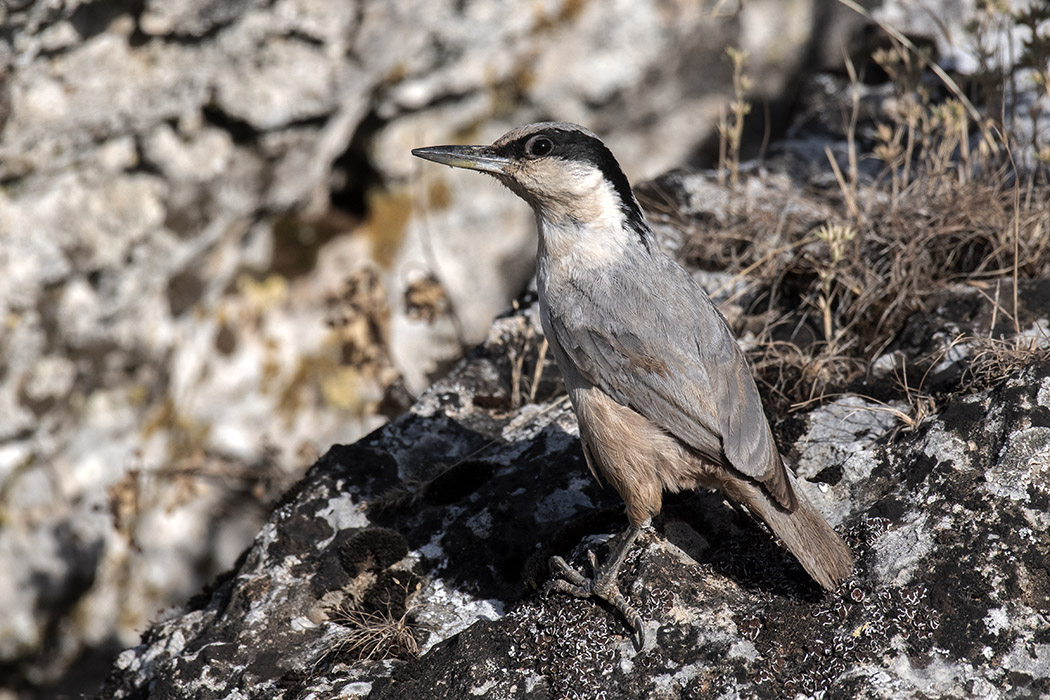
{"x":585,"y":228}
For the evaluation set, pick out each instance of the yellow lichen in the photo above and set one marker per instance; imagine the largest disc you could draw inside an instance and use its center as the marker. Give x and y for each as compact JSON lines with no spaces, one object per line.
{"x":340,"y":389}
{"x":388,"y":214}
{"x":265,"y":293}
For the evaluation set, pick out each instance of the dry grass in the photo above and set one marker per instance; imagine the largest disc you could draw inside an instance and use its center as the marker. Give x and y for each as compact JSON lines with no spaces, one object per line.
{"x":993,"y":358}
{"x":839,"y":272}
{"x":731,"y":126}
{"x":835,"y":296}
{"x":910,"y":249}
{"x":374,"y":635}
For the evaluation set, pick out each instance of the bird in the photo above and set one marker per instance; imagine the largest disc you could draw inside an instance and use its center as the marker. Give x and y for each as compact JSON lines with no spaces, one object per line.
{"x":664,"y":397}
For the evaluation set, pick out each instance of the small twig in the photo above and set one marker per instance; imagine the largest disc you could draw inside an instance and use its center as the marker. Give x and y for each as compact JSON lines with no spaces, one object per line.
{"x":996,"y":306}
{"x":537,"y":372}
{"x":851,"y":128}
{"x":945,"y":78}
{"x":847,"y":194}
{"x":1017,"y":236}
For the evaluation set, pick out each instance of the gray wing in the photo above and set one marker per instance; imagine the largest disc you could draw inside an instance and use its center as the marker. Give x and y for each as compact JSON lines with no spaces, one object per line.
{"x":675,"y":362}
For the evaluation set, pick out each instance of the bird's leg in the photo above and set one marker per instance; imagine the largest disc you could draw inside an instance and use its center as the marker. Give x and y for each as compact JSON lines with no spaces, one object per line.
{"x":602,"y":583}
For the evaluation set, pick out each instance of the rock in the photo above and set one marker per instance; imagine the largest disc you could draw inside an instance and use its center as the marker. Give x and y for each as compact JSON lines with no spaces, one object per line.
{"x":449,"y":514}
{"x":174,"y":281}
{"x":193,"y":196}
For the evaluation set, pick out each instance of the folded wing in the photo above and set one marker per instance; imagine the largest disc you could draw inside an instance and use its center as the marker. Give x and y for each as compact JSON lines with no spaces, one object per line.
{"x":685,"y":374}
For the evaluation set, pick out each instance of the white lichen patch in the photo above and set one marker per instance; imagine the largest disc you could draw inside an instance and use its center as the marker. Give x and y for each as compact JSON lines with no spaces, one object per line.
{"x":1028,"y":657}
{"x":669,"y":685}
{"x":302,"y":623}
{"x":900,"y":552}
{"x":938,"y":678}
{"x":483,"y":688}
{"x":953,"y":355}
{"x":1042,"y":397}
{"x":431,"y":550}
{"x":744,"y":650}
{"x":357,"y":689}
{"x":712,"y":626}
{"x":532,"y":419}
{"x":833,"y":504}
{"x":858,"y":467}
{"x":341,"y":513}
{"x":522,"y":435}
{"x":447,"y":611}
{"x":840,"y":429}
{"x":1020,"y":461}
{"x":945,"y":446}
{"x":481,"y":523}
{"x":997,"y":620}
{"x":563,"y":503}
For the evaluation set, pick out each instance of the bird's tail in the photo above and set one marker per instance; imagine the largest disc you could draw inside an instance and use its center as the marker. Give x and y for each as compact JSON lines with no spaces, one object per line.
{"x":803,"y":530}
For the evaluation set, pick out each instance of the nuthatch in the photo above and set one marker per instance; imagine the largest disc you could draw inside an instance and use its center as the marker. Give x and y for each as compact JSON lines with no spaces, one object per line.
{"x":662,"y":392}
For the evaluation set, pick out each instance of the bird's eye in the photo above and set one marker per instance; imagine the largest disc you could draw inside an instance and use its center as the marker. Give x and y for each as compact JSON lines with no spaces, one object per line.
{"x":539,"y":146}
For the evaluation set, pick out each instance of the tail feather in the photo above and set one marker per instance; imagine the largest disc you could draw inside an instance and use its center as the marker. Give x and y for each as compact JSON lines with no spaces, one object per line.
{"x":803,"y":530}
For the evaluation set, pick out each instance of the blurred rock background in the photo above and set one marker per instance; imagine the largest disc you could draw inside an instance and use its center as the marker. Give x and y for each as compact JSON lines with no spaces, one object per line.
{"x":218,"y":258}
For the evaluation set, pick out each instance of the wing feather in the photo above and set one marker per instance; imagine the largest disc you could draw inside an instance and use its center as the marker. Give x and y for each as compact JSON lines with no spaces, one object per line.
{"x":685,"y":374}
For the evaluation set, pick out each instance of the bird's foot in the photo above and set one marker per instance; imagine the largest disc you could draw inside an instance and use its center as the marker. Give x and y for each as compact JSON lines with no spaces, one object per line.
{"x":602,"y":584}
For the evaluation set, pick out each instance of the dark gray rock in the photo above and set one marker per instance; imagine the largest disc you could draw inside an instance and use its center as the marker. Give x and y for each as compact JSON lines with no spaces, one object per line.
{"x":451,"y":512}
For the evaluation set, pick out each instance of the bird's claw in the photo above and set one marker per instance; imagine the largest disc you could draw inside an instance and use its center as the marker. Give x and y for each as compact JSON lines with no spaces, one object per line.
{"x":567,"y":579}
{"x":602,"y":584}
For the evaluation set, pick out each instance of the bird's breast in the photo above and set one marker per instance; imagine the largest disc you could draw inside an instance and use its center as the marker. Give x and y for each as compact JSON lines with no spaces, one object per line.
{"x":578,"y":248}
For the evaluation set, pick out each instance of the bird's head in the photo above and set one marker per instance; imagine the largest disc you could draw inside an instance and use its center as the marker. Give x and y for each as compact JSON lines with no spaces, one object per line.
{"x":565,"y":172}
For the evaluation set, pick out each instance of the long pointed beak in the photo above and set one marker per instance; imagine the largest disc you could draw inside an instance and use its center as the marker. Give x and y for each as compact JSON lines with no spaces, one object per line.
{"x":481,"y":158}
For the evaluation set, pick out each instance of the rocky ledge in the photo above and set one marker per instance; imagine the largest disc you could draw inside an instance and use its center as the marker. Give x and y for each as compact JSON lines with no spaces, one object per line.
{"x":409,"y":564}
